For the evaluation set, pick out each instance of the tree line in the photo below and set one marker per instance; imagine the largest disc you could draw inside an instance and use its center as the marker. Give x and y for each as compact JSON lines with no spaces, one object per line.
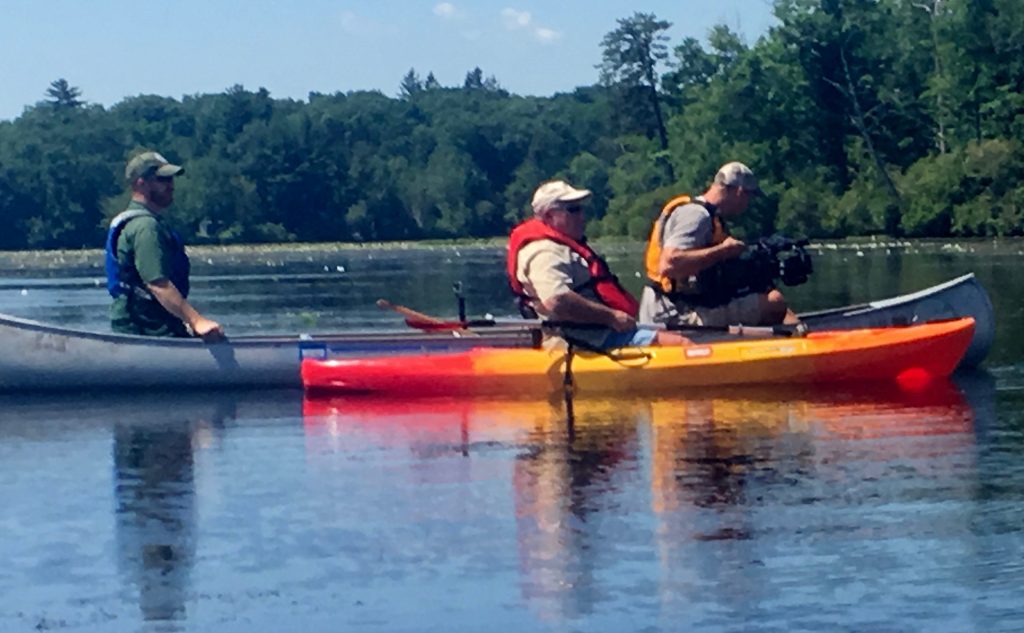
{"x":860,"y":117}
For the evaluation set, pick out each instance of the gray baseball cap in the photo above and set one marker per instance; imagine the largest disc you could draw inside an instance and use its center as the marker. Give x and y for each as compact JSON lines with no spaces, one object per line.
{"x":736,"y":174}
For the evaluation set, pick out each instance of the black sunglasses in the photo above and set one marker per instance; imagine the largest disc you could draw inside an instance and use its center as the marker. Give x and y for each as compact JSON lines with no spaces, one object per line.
{"x":163,"y":178}
{"x":571,"y":208}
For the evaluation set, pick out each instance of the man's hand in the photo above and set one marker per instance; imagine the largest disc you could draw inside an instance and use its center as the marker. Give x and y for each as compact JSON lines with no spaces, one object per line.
{"x":621,"y":322}
{"x":172,"y":301}
{"x":731,"y":247}
{"x":209,"y":331}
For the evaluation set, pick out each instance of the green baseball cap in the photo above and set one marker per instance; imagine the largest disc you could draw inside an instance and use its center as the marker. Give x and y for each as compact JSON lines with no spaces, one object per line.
{"x":150,"y":164}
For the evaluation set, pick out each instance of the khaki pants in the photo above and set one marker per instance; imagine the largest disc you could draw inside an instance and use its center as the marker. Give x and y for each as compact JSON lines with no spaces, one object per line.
{"x":745,"y":310}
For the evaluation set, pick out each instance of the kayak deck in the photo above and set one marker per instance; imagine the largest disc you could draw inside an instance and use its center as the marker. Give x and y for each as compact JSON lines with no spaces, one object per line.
{"x":912,"y":354}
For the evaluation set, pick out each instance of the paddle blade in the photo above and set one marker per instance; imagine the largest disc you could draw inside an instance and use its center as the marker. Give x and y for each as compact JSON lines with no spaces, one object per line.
{"x":433,"y":326}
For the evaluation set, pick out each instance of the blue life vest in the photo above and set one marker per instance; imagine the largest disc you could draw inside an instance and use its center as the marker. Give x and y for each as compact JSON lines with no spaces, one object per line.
{"x":122,"y":280}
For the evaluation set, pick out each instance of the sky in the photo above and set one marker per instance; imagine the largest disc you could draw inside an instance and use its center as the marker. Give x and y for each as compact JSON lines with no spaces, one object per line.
{"x":112,"y":49}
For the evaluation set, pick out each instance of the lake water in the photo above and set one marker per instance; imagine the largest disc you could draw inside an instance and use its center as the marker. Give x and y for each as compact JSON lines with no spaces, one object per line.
{"x":854,"y":509}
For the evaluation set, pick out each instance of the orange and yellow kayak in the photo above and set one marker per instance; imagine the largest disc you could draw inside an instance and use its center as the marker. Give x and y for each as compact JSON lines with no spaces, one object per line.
{"x":910,"y":355}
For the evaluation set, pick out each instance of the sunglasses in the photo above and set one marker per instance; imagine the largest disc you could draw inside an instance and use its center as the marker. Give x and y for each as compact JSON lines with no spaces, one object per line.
{"x":571,"y":208}
{"x":163,"y":178}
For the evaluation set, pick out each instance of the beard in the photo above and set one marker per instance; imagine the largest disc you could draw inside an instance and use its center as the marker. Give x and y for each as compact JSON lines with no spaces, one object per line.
{"x":162,"y":197}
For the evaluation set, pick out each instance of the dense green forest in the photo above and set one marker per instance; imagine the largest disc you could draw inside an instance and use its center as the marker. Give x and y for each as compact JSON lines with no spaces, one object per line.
{"x":897,"y":117}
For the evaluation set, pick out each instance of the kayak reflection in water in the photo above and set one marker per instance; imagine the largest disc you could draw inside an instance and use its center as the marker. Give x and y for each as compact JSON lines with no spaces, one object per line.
{"x":760,"y":468}
{"x":685,"y":496}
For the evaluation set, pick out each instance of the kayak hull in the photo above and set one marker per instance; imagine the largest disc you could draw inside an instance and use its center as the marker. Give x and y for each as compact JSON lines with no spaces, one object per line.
{"x":910,"y":355}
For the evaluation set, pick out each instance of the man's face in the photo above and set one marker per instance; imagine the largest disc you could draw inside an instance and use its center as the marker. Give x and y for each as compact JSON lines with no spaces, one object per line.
{"x":159,"y":190}
{"x":734,"y":202}
{"x":567,"y":217}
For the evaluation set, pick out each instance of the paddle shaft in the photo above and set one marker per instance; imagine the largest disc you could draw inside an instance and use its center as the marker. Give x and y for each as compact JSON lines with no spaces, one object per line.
{"x":736,"y":330}
{"x":423,"y":321}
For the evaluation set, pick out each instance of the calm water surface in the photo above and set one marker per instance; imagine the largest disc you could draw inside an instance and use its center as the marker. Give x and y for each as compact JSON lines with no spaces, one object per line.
{"x":859,"y":509}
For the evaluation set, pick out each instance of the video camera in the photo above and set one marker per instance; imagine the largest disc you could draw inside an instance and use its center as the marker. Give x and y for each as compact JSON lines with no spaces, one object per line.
{"x":787,"y":257}
{"x":757,"y":270}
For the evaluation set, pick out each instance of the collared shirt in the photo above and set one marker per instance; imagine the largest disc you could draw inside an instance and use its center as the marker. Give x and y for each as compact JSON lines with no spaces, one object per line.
{"x":547,"y":269}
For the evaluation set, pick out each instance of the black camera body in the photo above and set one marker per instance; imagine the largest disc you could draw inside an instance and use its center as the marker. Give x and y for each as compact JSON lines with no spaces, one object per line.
{"x":791,"y":257}
{"x":756,"y":271}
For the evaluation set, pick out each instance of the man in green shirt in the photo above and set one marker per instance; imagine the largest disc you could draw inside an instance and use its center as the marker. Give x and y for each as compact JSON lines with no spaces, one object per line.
{"x":147,"y":267}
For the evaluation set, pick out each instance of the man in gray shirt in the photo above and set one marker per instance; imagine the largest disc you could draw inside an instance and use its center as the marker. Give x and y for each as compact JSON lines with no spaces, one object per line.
{"x":689,"y":237}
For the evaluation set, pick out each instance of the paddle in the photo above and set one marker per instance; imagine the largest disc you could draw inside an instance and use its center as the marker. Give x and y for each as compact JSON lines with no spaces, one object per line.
{"x":421,"y":321}
{"x":433,"y":324}
{"x":410,"y":314}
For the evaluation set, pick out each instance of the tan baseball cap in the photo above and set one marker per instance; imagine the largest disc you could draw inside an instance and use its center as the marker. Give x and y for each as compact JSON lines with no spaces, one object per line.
{"x":551,"y":193}
{"x":736,"y":174}
{"x":150,"y":164}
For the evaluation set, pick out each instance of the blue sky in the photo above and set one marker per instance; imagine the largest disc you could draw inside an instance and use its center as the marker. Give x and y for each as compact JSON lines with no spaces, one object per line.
{"x":112,"y":49}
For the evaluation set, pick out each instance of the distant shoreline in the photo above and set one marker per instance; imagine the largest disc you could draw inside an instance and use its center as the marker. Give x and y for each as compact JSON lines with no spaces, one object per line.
{"x":285,"y":247}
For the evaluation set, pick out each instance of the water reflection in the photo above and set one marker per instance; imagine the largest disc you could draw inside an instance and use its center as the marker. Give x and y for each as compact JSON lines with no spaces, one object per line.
{"x":154,"y":482}
{"x":740,"y":481}
{"x":153,"y":440}
{"x":718,"y":510}
{"x":727,"y":477}
{"x":566,"y":487}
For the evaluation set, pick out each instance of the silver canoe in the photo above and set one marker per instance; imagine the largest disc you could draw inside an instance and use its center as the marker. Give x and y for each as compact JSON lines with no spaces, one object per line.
{"x":959,"y":297}
{"x":38,"y":356}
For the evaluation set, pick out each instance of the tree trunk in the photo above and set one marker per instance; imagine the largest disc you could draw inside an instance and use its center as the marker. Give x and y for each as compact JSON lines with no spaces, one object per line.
{"x":659,"y":120}
{"x":860,"y":122}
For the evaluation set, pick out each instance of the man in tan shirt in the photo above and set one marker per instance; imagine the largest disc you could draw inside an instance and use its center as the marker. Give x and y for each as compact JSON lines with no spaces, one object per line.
{"x":556,"y":274}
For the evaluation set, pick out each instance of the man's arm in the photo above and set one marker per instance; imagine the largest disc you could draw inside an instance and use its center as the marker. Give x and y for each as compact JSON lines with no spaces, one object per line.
{"x":686,"y":243}
{"x":154,"y":260}
{"x":170,"y":298}
{"x":678,"y":263}
{"x":573,"y":307}
{"x":548,"y":269}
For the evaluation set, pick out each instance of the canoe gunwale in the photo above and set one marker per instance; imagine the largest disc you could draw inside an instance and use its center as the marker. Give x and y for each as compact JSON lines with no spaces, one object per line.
{"x":961,"y":296}
{"x":249,"y":340}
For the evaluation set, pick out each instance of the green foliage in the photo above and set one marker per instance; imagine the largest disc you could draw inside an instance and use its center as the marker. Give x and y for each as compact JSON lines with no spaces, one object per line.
{"x":590,"y":172}
{"x":806,"y":204}
{"x":991,"y":189}
{"x":629,"y":66}
{"x":929,"y":188}
{"x":411,"y":84}
{"x":972,"y":191}
{"x":64,"y":95}
{"x":859,"y":117}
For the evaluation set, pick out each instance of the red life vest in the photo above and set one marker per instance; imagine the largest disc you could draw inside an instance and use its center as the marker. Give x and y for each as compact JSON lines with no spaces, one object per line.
{"x":606,"y":285}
